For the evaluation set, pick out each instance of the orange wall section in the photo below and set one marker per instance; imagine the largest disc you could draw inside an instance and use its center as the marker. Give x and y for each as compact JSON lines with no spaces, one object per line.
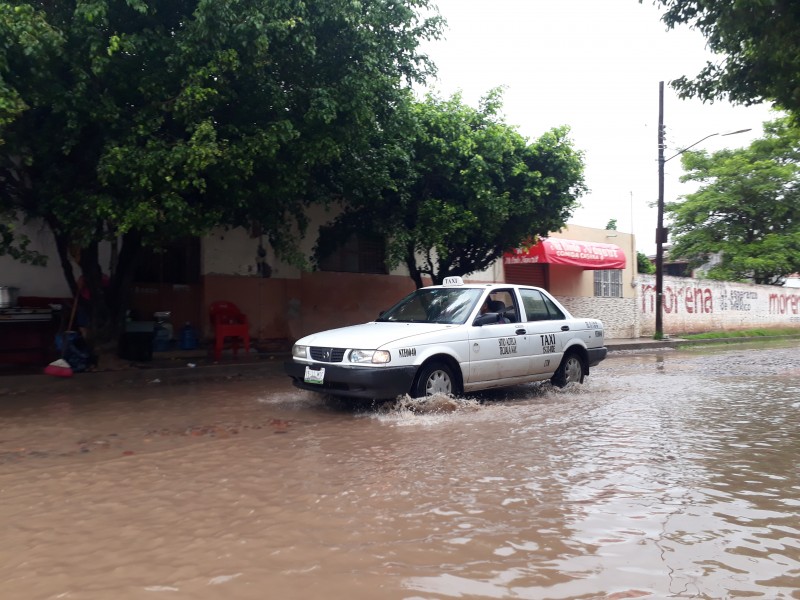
{"x":291,"y":308}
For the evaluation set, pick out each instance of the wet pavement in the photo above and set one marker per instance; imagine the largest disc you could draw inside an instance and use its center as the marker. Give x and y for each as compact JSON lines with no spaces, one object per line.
{"x":669,"y":474}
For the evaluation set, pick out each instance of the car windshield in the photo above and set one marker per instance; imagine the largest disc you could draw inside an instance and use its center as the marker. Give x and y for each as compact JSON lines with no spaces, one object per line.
{"x":450,"y":306}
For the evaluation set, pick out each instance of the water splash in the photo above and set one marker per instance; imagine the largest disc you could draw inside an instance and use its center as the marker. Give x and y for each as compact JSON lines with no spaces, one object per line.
{"x":436,"y":404}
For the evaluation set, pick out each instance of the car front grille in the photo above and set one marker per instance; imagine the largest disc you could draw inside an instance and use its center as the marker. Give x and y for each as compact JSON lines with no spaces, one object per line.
{"x":329,"y":355}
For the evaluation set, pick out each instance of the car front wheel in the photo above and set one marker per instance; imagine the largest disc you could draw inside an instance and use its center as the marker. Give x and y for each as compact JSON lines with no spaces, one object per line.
{"x":434,"y":378}
{"x":571,"y":370}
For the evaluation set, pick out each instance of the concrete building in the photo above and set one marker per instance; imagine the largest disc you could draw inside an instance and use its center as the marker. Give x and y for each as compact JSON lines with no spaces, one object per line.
{"x":284,"y":302}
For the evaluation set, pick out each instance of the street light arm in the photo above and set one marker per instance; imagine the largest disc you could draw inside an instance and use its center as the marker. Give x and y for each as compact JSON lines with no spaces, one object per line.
{"x":692,"y":146}
{"x":704,"y":139}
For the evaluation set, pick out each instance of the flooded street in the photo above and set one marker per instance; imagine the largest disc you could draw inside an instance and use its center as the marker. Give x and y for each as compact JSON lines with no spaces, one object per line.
{"x":669,"y":474}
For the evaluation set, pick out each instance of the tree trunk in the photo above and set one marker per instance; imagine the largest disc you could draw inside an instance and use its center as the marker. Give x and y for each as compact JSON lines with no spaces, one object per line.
{"x":413,"y":270}
{"x":108,"y":291}
{"x":92,"y":298}
{"x":62,"y":247}
{"x":411,"y":265}
{"x":127,"y":261}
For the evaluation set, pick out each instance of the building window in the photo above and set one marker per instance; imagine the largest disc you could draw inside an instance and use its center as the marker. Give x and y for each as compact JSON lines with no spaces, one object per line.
{"x":608,"y":283}
{"x":360,"y":254}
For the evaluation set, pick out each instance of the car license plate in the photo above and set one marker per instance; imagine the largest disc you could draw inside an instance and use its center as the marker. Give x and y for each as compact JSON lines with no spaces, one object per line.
{"x":313,"y":376}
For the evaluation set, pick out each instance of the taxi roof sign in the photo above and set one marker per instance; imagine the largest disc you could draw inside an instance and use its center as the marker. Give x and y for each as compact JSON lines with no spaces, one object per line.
{"x":453,"y":281}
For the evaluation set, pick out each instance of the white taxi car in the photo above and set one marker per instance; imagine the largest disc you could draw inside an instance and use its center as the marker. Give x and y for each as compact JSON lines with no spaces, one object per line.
{"x":452,"y":338}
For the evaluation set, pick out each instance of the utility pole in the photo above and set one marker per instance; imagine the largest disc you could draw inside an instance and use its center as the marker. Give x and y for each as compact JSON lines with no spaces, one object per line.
{"x":661,"y":233}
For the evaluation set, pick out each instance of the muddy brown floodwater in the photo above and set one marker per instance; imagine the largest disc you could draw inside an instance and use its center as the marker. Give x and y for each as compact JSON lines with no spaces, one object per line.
{"x":672,"y":474}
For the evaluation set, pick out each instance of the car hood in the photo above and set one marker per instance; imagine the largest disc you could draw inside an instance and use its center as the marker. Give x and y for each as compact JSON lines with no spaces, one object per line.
{"x":369,"y":336}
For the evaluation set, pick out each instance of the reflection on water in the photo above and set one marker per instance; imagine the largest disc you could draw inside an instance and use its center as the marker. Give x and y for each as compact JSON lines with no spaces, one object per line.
{"x":666,"y":475}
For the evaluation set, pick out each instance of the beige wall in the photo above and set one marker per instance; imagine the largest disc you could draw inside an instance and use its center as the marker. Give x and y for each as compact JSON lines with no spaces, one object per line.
{"x":45,"y":281}
{"x":35,"y":281}
{"x":572,"y":281}
{"x":233,"y":251}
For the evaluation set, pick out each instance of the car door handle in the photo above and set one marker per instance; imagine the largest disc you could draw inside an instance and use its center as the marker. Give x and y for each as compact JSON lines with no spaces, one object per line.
{"x":521,"y":332}
{"x":565,"y":328}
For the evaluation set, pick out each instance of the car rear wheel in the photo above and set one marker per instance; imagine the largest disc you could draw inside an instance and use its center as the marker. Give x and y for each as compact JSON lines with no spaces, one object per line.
{"x":434,"y":378}
{"x":571,"y":370}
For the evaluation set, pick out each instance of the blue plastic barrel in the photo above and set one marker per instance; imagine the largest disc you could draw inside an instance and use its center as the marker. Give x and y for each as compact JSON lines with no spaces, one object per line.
{"x":188,"y":339}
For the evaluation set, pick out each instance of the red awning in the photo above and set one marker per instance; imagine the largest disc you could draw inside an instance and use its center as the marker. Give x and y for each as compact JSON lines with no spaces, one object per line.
{"x":558,"y":251}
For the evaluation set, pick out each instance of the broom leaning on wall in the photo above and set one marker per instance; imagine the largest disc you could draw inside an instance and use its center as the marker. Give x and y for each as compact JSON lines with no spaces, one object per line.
{"x":60,"y":367}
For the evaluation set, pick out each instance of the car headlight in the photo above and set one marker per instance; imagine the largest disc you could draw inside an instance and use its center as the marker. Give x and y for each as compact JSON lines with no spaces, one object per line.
{"x":370,"y":356}
{"x":300,"y":351}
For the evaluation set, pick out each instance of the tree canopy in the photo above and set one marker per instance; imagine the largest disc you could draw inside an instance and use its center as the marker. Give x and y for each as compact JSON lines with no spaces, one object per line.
{"x":644,"y":264}
{"x":746,"y":213}
{"x":145,"y":120}
{"x":758,"y":45}
{"x":451,"y":187}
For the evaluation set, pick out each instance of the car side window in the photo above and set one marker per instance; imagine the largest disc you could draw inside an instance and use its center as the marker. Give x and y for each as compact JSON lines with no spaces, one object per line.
{"x":555,"y":313}
{"x":503,"y":303}
{"x":539,"y":307}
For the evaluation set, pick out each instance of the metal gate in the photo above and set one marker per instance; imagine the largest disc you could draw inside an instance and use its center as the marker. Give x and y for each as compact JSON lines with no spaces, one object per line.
{"x":530,"y":274}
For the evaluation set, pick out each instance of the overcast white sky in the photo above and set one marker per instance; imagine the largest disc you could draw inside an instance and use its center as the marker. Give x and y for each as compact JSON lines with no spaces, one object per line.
{"x":593,"y":65}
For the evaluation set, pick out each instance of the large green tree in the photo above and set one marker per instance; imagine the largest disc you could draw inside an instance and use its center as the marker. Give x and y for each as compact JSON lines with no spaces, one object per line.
{"x":746,"y":213}
{"x":451,"y":187}
{"x":145,"y":120}
{"x":758,"y":46}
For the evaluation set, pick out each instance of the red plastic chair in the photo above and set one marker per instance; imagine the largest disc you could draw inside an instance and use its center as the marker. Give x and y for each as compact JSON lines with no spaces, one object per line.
{"x":228,"y":322}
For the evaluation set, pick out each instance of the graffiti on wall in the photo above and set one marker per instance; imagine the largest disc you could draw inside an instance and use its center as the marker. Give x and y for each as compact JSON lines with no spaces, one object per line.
{"x":691,"y":299}
{"x":784,"y":304}
{"x":736,"y":300}
{"x":688,"y":299}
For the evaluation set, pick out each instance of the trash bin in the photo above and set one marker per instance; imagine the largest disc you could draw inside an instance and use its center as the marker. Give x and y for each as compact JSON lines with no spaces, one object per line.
{"x":136,"y":342}
{"x":162,"y":340}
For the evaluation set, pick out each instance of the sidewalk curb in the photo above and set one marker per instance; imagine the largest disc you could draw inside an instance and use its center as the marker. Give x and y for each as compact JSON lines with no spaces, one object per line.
{"x":614,"y":346}
{"x":650,"y":344}
{"x":267,"y":367}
